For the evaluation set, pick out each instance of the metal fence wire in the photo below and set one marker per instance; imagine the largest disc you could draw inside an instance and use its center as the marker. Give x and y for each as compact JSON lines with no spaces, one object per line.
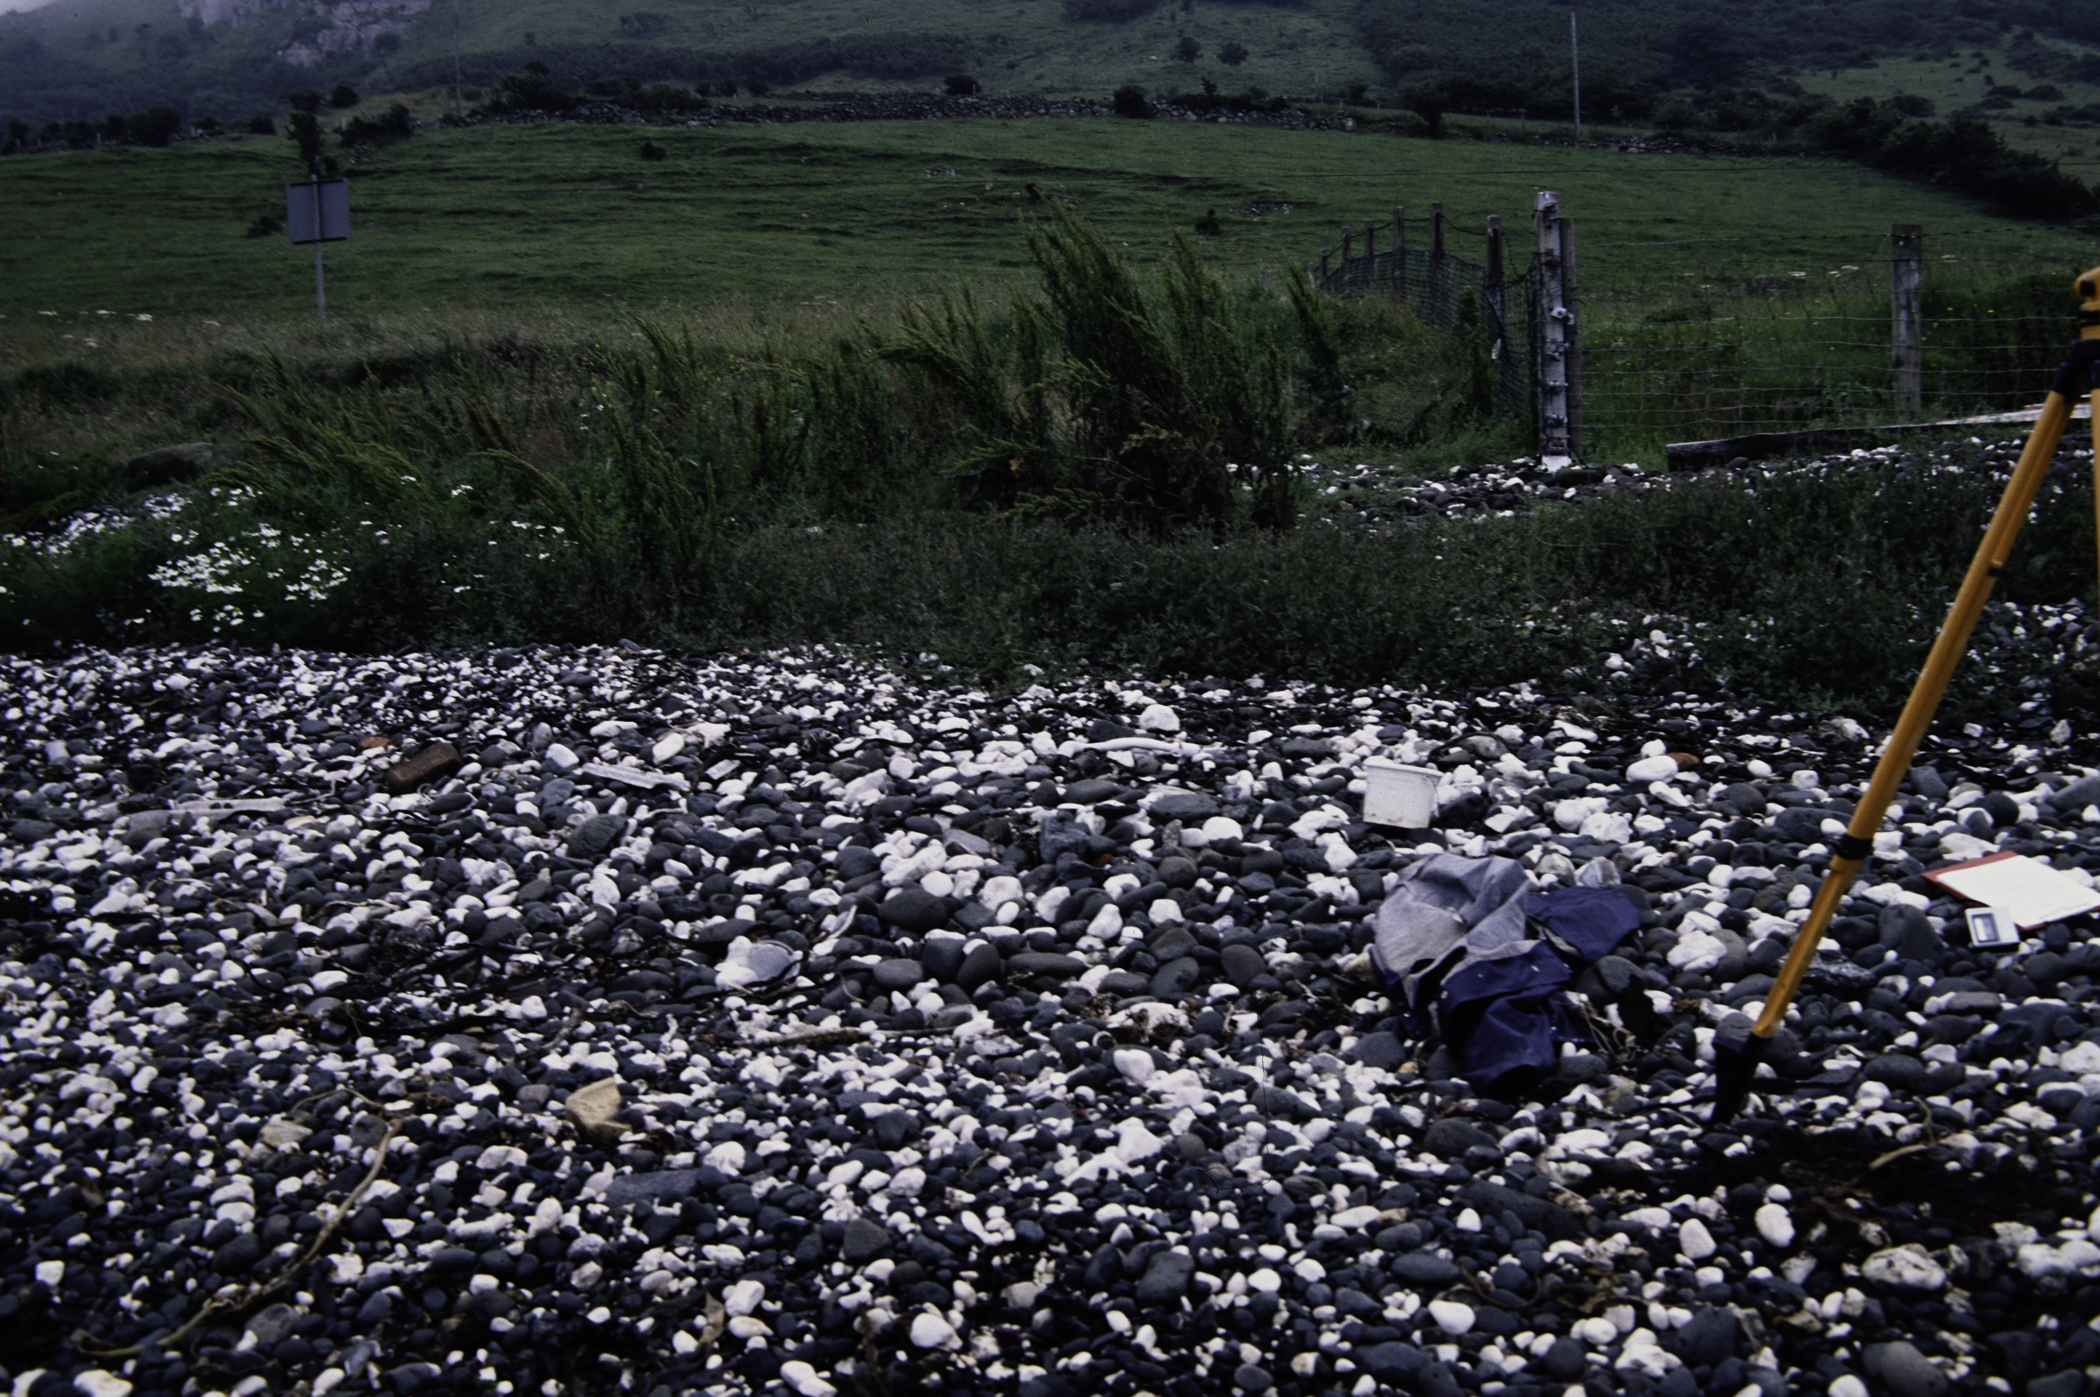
{"x":1766,"y":338}
{"x":1688,"y":341}
{"x":1456,"y":295}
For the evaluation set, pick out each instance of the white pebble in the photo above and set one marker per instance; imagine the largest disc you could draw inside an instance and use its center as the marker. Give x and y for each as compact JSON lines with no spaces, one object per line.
{"x":1652,"y":769}
{"x":1697,"y":952}
{"x":744,"y":1297}
{"x":1135,"y":1064}
{"x":1847,"y":1386}
{"x":1909,"y":1268}
{"x":1775,"y":1225}
{"x":1450,"y":1316}
{"x":561,"y":758}
{"x":929,"y":1330}
{"x":1158,"y":718}
{"x":804,"y":1379}
{"x":1695,"y":1241}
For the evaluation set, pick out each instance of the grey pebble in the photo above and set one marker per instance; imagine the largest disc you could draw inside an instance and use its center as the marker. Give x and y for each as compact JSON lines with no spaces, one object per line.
{"x":1176,"y":978}
{"x":896,"y":973}
{"x":1905,"y":1371}
{"x":980,"y":966}
{"x":1242,"y":963}
{"x":863,"y":1241}
{"x":1166,"y":1279}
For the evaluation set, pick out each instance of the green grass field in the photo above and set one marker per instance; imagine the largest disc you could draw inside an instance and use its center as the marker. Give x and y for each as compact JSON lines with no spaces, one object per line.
{"x":507,"y":351}
{"x":565,"y":217}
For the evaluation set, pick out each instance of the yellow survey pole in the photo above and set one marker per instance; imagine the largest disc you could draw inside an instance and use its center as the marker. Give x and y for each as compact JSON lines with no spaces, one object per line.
{"x":1735,"y":1064}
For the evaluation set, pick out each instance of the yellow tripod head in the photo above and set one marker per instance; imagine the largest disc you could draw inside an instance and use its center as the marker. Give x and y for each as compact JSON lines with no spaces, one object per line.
{"x":2089,"y":305}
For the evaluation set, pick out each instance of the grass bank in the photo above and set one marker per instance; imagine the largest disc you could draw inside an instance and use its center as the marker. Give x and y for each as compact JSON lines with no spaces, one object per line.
{"x":1710,"y":586}
{"x":529,"y":219}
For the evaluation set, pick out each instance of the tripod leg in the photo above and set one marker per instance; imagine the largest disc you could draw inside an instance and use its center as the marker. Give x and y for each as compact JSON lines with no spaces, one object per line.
{"x":1734,"y":1068}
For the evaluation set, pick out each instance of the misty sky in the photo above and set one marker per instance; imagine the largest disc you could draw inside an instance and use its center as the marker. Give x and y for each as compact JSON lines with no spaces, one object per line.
{"x":6,"y":5}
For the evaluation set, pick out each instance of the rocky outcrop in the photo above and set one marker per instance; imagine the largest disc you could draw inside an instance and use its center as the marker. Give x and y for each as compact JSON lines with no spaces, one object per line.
{"x":322,"y":28}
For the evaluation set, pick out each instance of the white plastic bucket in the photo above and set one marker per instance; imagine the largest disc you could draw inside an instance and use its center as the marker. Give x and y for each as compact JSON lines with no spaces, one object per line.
{"x":1398,"y":795}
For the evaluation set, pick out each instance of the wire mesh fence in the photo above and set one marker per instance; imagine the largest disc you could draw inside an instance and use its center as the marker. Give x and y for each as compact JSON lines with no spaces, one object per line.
{"x":1471,"y":300}
{"x":1687,"y":340}
{"x":1745,"y":337}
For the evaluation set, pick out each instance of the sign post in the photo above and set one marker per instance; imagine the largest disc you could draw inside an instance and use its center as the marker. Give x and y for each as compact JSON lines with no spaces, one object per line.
{"x":318,"y":212}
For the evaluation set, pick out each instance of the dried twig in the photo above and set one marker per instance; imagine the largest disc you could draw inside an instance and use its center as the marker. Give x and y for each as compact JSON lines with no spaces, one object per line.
{"x":255,"y":1294}
{"x":1900,"y":1151}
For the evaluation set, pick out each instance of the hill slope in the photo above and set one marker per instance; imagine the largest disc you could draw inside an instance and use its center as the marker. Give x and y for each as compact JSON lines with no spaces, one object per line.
{"x":81,"y":59}
{"x":231,"y":56}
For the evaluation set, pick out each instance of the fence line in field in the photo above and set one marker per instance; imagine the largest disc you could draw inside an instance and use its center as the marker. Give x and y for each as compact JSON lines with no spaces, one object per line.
{"x":1743,"y":335}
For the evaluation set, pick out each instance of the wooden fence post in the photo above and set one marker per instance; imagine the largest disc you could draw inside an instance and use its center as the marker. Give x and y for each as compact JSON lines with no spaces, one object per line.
{"x":1571,"y":296}
{"x":1400,"y":248}
{"x":1498,"y":343}
{"x":1436,"y":232}
{"x":1371,"y":247}
{"x":1907,"y":316}
{"x":1323,"y":268}
{"x":1347,"y":242}
{"x":1550,"y":336}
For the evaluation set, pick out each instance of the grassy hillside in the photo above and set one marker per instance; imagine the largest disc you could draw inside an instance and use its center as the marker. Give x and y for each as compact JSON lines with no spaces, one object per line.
{"x":1704,"y":44}
{"x":59,"y":63}
{"x":2041,"y":96}
{"x":572,"y":216}
{"x":1011,"y":46}
{"x":83,"y":58}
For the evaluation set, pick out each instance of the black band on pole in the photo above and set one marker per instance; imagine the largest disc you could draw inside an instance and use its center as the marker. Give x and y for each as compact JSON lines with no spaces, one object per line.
{"x":1855,"y":848}
{"x":2075,"y":378}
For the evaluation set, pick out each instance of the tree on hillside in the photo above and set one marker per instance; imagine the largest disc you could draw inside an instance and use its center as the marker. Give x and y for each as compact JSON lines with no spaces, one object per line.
{"x":1188,"y":50}
{"x":1429,"y":102}
{"x":304,"y":130}
{"x":155,"y":126}
{"x":1233,"y":54}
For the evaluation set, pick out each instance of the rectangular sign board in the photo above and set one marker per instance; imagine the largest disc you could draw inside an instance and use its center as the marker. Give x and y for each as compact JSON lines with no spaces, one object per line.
{"x":318,"y":212}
